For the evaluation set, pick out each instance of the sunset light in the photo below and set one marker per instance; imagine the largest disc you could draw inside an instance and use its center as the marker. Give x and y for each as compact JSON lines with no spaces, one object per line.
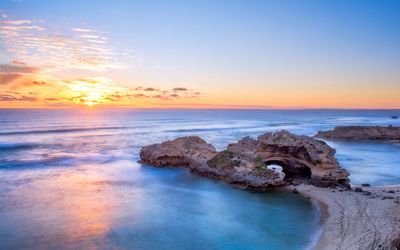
{"x":307,"y":59}
{"x":200,"y":124}
{"x":89,"y":91}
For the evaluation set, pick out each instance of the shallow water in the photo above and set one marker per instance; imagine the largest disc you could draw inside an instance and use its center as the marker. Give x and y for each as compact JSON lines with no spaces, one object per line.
{"x":127,"y":206}
{"x":69,"y":179}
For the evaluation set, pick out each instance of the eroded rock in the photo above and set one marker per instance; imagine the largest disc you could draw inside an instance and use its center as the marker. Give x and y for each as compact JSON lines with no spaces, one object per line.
{"x":183,"y":151}
{"x":246,"y":162}
{"x":302,"y":157}
{"x":381,"y":133}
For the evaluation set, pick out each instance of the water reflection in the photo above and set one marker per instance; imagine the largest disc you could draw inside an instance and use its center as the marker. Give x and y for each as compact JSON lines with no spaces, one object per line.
{"x":56,"y":209}
{"x":69,"y":180}
{"x":125,"y":205}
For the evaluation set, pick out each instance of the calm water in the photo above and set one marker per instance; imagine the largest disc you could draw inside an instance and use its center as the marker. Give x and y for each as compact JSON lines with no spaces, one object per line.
{"x":69,"y":179}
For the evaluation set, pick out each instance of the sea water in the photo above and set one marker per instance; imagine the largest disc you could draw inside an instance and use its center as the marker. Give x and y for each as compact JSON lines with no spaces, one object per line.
{"x":69,"y":179}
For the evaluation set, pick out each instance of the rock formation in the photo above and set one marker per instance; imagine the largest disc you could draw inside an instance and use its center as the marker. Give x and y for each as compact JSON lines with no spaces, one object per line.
{"x":247,"y":162}
{"x":302,"y":157}
{"x":181,"y":152}
{"x":380,"y":133}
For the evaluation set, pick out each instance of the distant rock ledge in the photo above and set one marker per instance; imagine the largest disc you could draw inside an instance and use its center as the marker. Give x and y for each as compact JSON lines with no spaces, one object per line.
{"x":249,"y":162}
{"x":378,"y":133}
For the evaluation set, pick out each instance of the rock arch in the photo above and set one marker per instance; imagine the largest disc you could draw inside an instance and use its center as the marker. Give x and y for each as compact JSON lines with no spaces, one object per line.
{"x":244,"y":162}
{"x":293,"y":169}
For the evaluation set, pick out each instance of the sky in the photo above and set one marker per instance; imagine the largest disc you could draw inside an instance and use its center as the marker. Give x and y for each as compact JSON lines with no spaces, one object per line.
{"x":200,"y":54}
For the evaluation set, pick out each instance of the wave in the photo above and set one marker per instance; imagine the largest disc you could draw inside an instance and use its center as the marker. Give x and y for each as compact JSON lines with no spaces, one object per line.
{"x":231,"y":128}
{"x":16,"y":146}
{"x":17,"y":164}
{"x":203,"y":129}
{"x":66,"y":130}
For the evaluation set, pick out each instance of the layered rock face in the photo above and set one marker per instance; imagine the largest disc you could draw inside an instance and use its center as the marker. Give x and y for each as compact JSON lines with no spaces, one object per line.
{"x":302,"y":157}
{"x":246,"y":163}
{"x":181,"y":152}
{"x":380,"y":133}
{"x":239,"y":164}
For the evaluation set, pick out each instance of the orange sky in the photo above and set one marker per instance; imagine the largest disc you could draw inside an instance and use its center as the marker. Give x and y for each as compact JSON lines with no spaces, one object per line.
{"x":51,"y":61}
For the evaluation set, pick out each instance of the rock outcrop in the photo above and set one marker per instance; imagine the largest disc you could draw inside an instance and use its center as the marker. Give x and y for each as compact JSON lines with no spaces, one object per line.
{"x":181,"y":152}
{"x":302,"y":157}
{"x":379,"y":133}
{"x":247,"y":163}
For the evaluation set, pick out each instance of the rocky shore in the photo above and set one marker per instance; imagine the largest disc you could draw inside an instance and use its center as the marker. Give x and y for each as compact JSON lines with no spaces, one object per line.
{"x":378,"y":133}
{"x":353,"y":217}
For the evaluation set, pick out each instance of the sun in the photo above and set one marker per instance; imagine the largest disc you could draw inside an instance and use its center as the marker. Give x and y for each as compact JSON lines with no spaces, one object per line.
{"x":90,"y":91}
{"x":92,"y":98}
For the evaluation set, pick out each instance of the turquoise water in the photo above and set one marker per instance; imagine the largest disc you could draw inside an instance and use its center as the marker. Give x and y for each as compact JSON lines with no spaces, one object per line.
{"x":70,"y":180}
{"x":124,"y":205}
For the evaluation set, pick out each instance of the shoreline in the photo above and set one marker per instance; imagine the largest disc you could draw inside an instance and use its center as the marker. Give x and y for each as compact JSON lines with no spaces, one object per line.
{"x":355,"y":220}
{"x":322,"y":217}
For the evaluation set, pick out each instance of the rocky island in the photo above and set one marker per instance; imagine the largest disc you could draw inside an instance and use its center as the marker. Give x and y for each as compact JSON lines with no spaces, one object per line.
{"x":353,"y":217}
{"x":246,"y":163}
{"x":379,"y":133}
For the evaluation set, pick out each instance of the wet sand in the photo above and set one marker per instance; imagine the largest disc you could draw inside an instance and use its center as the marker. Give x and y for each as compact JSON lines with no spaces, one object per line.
{"x":369,"y":219}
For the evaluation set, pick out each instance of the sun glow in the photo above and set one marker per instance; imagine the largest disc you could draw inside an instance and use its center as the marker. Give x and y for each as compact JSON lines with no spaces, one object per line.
{"x":93,"y":98}
{"x":90,"y":91}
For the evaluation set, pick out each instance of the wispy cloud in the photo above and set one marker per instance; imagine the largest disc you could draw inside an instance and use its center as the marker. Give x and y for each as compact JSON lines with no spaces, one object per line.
{"x":6,"y":78}
{"x":16,"y":22}
{"x":150,"y":89}
{"x":83,"y":30}
{"x":3,"y":14}
{"x":139,"y":96}
{"x":8,"y":98}
{"x":37,"y":50}
{"x":166,"y":95}
{"x":179,"y":89}
{"x":36,"y":43}
{"x":15,"y":71}
{"x":17,"y":68}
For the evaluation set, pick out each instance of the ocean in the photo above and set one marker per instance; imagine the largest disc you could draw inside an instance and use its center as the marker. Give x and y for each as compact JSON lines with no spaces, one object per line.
{"x":69,"y":179}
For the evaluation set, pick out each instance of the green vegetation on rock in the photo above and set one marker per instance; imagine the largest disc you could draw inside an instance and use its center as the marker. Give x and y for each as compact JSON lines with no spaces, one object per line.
{"x":222,"y":160}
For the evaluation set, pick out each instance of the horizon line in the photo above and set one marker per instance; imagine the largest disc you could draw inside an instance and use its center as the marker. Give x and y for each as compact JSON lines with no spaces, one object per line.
{"x":180,"y":108}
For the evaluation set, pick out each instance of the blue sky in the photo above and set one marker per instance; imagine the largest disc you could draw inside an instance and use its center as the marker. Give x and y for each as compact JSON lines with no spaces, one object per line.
{"x":218,"y":46}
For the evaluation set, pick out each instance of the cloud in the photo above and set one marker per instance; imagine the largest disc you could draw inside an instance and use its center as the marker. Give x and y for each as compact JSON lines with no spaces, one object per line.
{"x":11,"y":98}
{"x":28,"y":82}
{"x":33,"y":42}
{"x":6,"y":78}
{"x":91,"y":36}
{"x":21,"y":27}
{"x":90,"y":81}
{"x":39,"y":83}
{"x":17,"y":62}
{"x":82,"y":30}
{"x":179,"y":89}
{"x":166,"y":95}
{"x":3,"y":14}
{"x":150,"y":89}
{"x":28,"y":99}
{"x":17,"y":69}
{"x":53,"y":99}
{"x":162,"y":97}
{"x":139,"y":96}
{"x":16,"y":22}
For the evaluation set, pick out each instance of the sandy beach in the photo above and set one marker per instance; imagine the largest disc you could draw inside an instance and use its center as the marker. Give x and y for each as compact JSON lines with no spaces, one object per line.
{"x":368,"y":219}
